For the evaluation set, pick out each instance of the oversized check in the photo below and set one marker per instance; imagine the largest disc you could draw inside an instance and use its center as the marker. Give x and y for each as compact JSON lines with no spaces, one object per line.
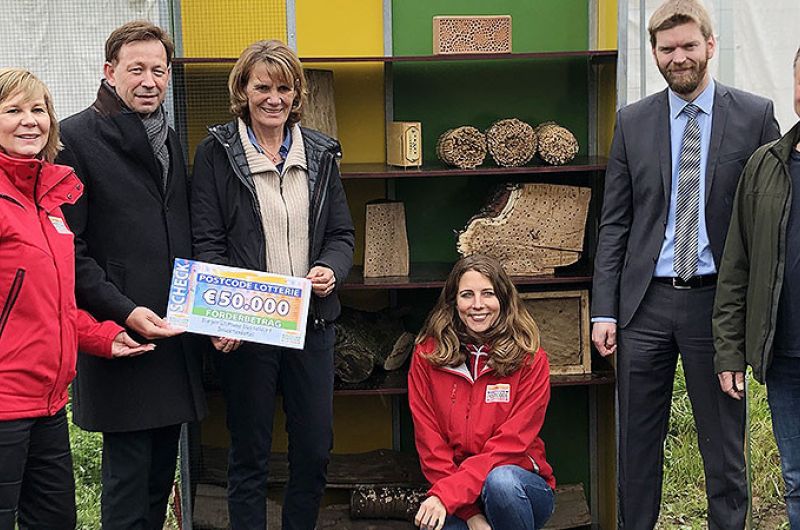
{"x":239,"y":303}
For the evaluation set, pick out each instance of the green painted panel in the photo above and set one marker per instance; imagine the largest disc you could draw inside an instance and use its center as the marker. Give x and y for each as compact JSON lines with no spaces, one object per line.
{"x":536,"y":25}
{"x":446,"y":95}
{"x":566,"y":435}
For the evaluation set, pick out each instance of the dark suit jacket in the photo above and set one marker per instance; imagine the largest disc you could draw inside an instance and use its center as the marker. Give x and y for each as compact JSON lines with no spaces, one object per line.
{"x":127,"y":234}
{"x":638,"y":183}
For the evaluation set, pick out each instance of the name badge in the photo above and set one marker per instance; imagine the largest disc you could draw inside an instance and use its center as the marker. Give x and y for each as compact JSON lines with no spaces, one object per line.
{"x":59,"y":225}
{"x":499,"y":393}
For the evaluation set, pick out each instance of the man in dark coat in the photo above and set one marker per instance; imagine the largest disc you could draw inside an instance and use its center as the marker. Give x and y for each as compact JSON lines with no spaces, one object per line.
{"x":675,"y":161}
{"x":130,"y":224}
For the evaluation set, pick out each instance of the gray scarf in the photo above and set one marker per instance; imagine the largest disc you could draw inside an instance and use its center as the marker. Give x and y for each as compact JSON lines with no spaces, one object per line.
{"x":155,"y":125}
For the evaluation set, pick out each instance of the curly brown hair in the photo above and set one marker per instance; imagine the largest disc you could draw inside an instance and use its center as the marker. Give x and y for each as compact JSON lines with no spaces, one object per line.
{"x":513,"y":337}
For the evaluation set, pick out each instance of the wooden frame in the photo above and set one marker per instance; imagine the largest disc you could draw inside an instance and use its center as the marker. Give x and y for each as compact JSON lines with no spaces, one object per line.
{"x":563,"y":320}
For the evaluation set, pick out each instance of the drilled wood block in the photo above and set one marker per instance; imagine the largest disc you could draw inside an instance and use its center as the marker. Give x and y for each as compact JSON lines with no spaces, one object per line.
{"x":320,"y":108}
{"x":386,"y":240}
{"x":563,"y":320}
{"x":472,"y":34}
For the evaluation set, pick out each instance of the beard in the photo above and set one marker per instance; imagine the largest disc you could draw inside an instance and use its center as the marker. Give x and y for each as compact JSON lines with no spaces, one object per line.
{"x":685,"y":80}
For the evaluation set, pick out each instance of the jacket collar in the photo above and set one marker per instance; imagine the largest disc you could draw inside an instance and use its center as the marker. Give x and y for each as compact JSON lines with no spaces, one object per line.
{"x":123,"y":128}
{"x":260,"y":163}
{"x":32,"y":179}
{"x":472,"y":369}
{"x":108,"y":103}
{"x":783,"y":147}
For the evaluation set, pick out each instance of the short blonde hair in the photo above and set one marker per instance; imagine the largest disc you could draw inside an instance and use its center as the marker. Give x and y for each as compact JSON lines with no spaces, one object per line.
{"x":282,"y":64}
{"x":676,"y":12}
{"x":15,"y":81}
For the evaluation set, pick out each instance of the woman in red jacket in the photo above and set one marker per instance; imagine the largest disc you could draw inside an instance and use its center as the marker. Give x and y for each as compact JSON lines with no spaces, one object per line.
{"x":478,"y":387}
{"x":40,"y":326}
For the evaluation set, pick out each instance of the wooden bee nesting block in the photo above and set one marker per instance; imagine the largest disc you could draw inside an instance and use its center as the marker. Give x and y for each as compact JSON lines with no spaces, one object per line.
{"x":319,"y":112}
{"x":563,"y":320}
{"x":404,"y":143}
{"x":472,"y":34}
{"x":386,"y":241}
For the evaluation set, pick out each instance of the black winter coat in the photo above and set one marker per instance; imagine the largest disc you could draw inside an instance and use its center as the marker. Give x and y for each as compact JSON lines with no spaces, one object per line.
{"x":227,"y":221}
{"x":127,"y":234}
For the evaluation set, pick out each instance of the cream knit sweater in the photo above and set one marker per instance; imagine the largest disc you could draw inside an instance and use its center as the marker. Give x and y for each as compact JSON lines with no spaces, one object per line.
{"x":284,"y":203}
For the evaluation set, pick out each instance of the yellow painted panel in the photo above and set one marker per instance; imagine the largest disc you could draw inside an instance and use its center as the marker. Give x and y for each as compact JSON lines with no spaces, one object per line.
{"x":342,"y":28}
{"x":223,"y":28}
{"x":360,"y":424}
{"x":348,"y":28}
{"x":607,"y":24}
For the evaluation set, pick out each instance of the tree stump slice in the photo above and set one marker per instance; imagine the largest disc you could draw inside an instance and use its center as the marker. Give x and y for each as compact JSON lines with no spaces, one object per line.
{"x":530,"y":228}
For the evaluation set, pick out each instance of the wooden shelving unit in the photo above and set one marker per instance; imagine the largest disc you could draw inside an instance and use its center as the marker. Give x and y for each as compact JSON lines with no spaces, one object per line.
{"x":410,"y":78}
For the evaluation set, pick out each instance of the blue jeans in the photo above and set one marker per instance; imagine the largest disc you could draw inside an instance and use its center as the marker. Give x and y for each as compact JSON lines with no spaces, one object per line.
{"x":783,"y":394}
{"x":512,"y":497}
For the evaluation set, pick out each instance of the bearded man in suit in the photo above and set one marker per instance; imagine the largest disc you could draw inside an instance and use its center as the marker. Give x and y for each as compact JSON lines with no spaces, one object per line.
{"x":675,"y":162}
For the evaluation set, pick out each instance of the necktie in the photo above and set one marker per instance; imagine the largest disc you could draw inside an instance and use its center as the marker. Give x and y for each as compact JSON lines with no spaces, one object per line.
{"x":687,"y":207}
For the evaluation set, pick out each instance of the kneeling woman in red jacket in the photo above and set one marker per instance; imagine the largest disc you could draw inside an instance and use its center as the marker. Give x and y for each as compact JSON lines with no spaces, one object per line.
{"x":478,"y":387}
{"x":40,"y":326}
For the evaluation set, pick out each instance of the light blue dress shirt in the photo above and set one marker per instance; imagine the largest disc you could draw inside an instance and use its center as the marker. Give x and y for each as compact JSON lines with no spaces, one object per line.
{"x":677,"y":124}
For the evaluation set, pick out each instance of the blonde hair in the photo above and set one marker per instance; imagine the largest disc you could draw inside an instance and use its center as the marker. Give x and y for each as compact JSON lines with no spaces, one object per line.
{"x":282,"y":64}
{"x":15,"y":81}
{"x":676,"y":12}
{"x":513,"y":337}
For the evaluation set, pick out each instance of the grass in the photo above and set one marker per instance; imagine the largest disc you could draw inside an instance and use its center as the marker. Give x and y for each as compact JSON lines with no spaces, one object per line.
{"x":683,"y":501}
{"x":87,"y":450}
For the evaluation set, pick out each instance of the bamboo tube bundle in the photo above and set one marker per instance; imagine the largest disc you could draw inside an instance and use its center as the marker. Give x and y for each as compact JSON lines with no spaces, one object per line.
{"x":463,"y":147}
{"x":557,"y":145}
{"x":511,"y":142}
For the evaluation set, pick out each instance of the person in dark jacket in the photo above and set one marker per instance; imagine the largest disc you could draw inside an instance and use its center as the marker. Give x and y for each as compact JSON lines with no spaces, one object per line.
{"x":40,"y":325}
{"x":267,"y":196}
{"x":129,"y":226}
{"x":756,"y":308}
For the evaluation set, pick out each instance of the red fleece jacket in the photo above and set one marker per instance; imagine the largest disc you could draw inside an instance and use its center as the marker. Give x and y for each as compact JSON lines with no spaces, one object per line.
{"x":40,"y":325}
{"x":469,"y":421}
